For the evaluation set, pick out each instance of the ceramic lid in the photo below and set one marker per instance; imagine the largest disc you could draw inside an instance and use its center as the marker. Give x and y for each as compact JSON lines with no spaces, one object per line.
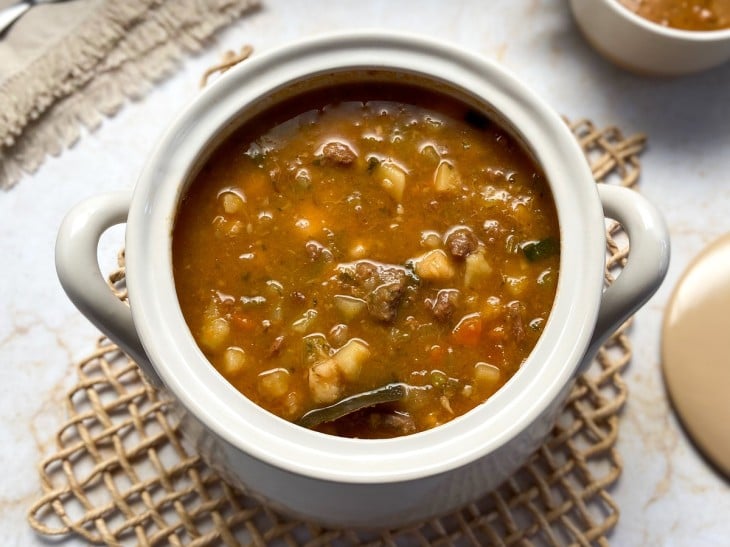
{"x":696,"y":351}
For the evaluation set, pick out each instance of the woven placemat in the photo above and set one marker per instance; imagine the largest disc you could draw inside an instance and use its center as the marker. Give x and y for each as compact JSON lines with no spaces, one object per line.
{"x":121,"y":474}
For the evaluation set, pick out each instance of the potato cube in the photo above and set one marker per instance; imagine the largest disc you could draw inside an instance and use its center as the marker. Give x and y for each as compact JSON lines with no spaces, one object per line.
{"x":349,"y":306}
{"x":477,"y":269}
{"x":392,"y":178}
{"x":214,"y":333}
{"x":234,"y":360}
{"x":232,"y":203}
{"x":486,"y":375}
{"x":350,"y":358}
{"x":434,"y":265}
{"x":447,"y":178}
{"x":273,"y":383}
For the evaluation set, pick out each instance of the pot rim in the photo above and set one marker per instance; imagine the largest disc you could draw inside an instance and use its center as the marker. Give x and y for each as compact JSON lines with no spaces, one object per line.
{"x":216,"y":404}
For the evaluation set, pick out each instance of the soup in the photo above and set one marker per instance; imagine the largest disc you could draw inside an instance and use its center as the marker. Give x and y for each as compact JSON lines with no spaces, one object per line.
{"x":684,"y":14}
{"x":370,"y":261}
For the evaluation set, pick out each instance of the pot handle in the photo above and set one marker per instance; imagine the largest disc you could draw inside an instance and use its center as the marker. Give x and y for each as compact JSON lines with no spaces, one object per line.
{"x":645,"y":269}
{"x":78,"y":271}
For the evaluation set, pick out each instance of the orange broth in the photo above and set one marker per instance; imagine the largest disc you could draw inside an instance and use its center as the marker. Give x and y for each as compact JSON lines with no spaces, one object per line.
{"x":363,"y":236}
{"x":683,"y":14}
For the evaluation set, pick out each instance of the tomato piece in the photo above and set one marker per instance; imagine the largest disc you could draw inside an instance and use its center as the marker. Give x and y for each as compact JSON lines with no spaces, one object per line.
{"x":468,"y":331}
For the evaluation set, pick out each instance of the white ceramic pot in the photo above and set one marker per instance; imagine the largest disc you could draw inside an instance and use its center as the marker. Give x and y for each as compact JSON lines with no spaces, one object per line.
{"x":355,"y":482}
{"x":645,"y":47}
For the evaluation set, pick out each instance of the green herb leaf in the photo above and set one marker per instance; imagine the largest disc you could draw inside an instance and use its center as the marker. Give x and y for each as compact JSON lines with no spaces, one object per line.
{"x":388,"y":393}
{"x":539,"y":250}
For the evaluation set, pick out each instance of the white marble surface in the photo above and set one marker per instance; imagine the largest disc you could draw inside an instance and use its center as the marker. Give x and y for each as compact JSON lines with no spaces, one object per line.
{"x":668,"y":495}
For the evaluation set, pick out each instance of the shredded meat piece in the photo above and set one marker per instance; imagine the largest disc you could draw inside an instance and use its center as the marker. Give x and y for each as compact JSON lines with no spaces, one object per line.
{"x":381,"y":286}
{"x":384,"y":300}
{"x":276,"y":346}
{"x":461,"y":242}
{"x":338,"y":153}
{"x":397,"y":422}
{"x":444,"y":305}
{"x":366,"y":275}
{"x":516,"y":321}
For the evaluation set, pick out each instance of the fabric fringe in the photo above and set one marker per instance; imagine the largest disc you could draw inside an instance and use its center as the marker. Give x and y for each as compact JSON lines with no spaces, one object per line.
{"x":115,"y":55}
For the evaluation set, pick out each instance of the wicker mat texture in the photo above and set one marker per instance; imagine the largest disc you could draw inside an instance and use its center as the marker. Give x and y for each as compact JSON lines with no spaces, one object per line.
{"x":121,"y":475}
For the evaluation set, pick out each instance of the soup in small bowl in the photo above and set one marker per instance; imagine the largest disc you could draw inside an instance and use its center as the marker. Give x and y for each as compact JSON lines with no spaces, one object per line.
{"x":657,"y":37}
{"x":698,"y":15}
{"x":365,"y":235}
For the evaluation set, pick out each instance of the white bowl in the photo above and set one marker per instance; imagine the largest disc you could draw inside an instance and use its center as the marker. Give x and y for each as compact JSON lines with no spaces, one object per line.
{"x":355,"y":482}
{"x":642,"y":46}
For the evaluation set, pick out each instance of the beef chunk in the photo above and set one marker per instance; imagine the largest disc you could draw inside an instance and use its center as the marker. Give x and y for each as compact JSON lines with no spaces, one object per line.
{"x":338,"y":153}
{"x":444,"y":305}
{"x":384,"y":300}
{"x":461,"y":242}
{"x":400,"y":422}
{"x":382,"y":286}
{"x":366,"y":275}
{"x":396,"y":423}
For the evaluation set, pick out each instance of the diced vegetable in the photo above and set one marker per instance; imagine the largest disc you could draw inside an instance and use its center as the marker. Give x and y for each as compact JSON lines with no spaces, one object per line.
{"x":325,"y":382}
{"x":316,"y":348}
{"x":468,"y":331}
{"x":349,"y":306}
{"x":350,"y":357}
{"x":430,"y":153}
{"x":304,"y":323}
{"x":434,"y":265}
{"x":537,"y":250}
{"x":492,"y":309}
{"x":446,"y":404}
{"x":228,"y":228}
{"x":447,"y":178}
{"x":430,"y":239}
{"x":234,"y":360}
{"x":477,"y":269}
{"x":274,"y":288}
{"x":214,"y":333}
{"x":232,"y":203}
{"x":273,"y":383}
{"x":516,"y":285}
{"x":438,"y":378}
{"x":392,"y":177}
{"x":486,"y":375}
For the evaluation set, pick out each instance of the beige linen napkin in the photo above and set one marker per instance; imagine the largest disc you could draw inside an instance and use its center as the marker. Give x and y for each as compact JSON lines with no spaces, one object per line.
{"x":65,"y":65}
